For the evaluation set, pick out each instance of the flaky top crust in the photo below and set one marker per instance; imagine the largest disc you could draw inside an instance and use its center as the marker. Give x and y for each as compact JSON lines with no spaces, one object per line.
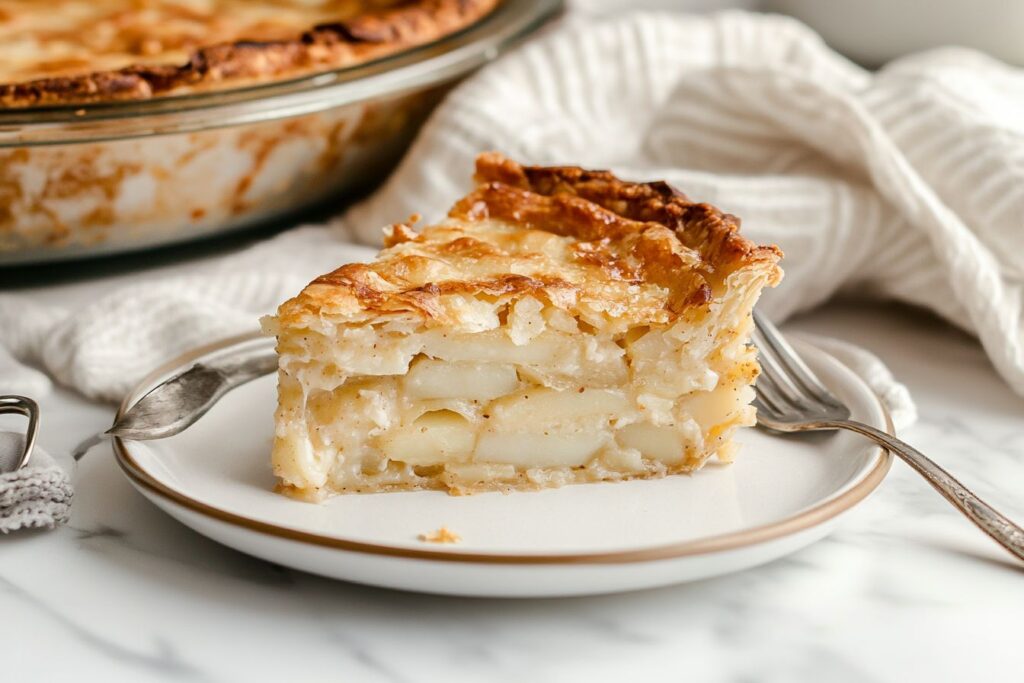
{"x":370,"y":35}
{"x":581,"y":240}
{"x":578,"y":193}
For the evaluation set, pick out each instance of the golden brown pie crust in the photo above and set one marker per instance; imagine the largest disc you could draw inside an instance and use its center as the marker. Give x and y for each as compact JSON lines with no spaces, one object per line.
{"x":330,"y":46}
{"x":577,"y":195}
{"x":630,"y":233}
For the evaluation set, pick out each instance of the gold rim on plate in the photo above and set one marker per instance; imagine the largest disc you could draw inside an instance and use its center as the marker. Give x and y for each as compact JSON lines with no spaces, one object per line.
{"x":805,"y":519}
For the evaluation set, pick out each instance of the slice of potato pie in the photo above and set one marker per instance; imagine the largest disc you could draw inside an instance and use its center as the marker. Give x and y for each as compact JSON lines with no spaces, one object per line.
{"x":559,"y":326}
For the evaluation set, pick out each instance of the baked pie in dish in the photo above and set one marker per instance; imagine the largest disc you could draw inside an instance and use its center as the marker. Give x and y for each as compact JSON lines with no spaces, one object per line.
{"x":127,"y":124}
{"x":559,"y":326}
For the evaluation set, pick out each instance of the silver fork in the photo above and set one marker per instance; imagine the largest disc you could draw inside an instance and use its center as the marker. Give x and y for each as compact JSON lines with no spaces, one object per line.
{"x":790,"y":398}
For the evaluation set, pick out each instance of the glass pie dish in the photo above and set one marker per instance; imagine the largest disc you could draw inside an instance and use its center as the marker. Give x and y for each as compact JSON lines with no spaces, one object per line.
{"x":79,"y":180}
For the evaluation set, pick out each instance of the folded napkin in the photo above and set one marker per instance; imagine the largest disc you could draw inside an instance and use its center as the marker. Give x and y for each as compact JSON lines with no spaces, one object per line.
{"x":904,"y":184}
{"x":36,"y":496}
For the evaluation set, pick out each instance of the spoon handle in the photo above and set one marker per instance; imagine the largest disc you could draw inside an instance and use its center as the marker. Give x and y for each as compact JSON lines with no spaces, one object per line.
{"x":178,"y":402}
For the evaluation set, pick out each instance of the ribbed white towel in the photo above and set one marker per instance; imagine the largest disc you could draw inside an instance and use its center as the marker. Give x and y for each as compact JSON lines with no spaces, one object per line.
{"x":38,"y":496}
{"x":907,"y":183}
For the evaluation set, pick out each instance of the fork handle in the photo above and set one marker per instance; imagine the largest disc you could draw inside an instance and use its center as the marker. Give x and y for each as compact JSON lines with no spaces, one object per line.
{"x":1005,"y":532}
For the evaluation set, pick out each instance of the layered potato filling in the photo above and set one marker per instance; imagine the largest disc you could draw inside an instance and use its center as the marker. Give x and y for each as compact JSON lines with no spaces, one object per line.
{"x":540,"y":399}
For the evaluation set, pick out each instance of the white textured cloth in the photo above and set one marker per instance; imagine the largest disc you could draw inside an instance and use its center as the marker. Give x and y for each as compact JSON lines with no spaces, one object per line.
{"x":38,"y":496}
{"x":907,"y":183}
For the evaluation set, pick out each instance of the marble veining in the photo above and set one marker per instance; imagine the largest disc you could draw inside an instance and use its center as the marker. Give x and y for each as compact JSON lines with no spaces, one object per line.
{"x":904,"y":589}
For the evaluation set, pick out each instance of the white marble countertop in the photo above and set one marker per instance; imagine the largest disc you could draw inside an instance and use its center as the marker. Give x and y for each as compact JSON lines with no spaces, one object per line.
{"x":905,"y":589}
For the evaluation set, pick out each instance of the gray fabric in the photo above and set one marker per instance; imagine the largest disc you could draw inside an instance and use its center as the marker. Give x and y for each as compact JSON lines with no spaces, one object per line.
{"x":36,"y":496}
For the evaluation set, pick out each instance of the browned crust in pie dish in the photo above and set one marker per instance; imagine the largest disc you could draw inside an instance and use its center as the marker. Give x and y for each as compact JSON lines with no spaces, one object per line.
{"x":627,"y":234}
{"x":225,"y":65}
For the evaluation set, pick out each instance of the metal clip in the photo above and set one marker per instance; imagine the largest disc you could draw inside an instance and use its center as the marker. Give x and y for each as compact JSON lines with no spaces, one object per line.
{"x":23,"y":405}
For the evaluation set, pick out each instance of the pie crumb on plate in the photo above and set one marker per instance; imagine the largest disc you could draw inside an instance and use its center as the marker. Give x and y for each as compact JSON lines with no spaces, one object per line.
{"x":442,"y":535}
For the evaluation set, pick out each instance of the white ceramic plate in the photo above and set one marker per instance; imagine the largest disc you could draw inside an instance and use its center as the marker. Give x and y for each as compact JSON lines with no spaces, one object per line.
{"x":781,"y":494}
